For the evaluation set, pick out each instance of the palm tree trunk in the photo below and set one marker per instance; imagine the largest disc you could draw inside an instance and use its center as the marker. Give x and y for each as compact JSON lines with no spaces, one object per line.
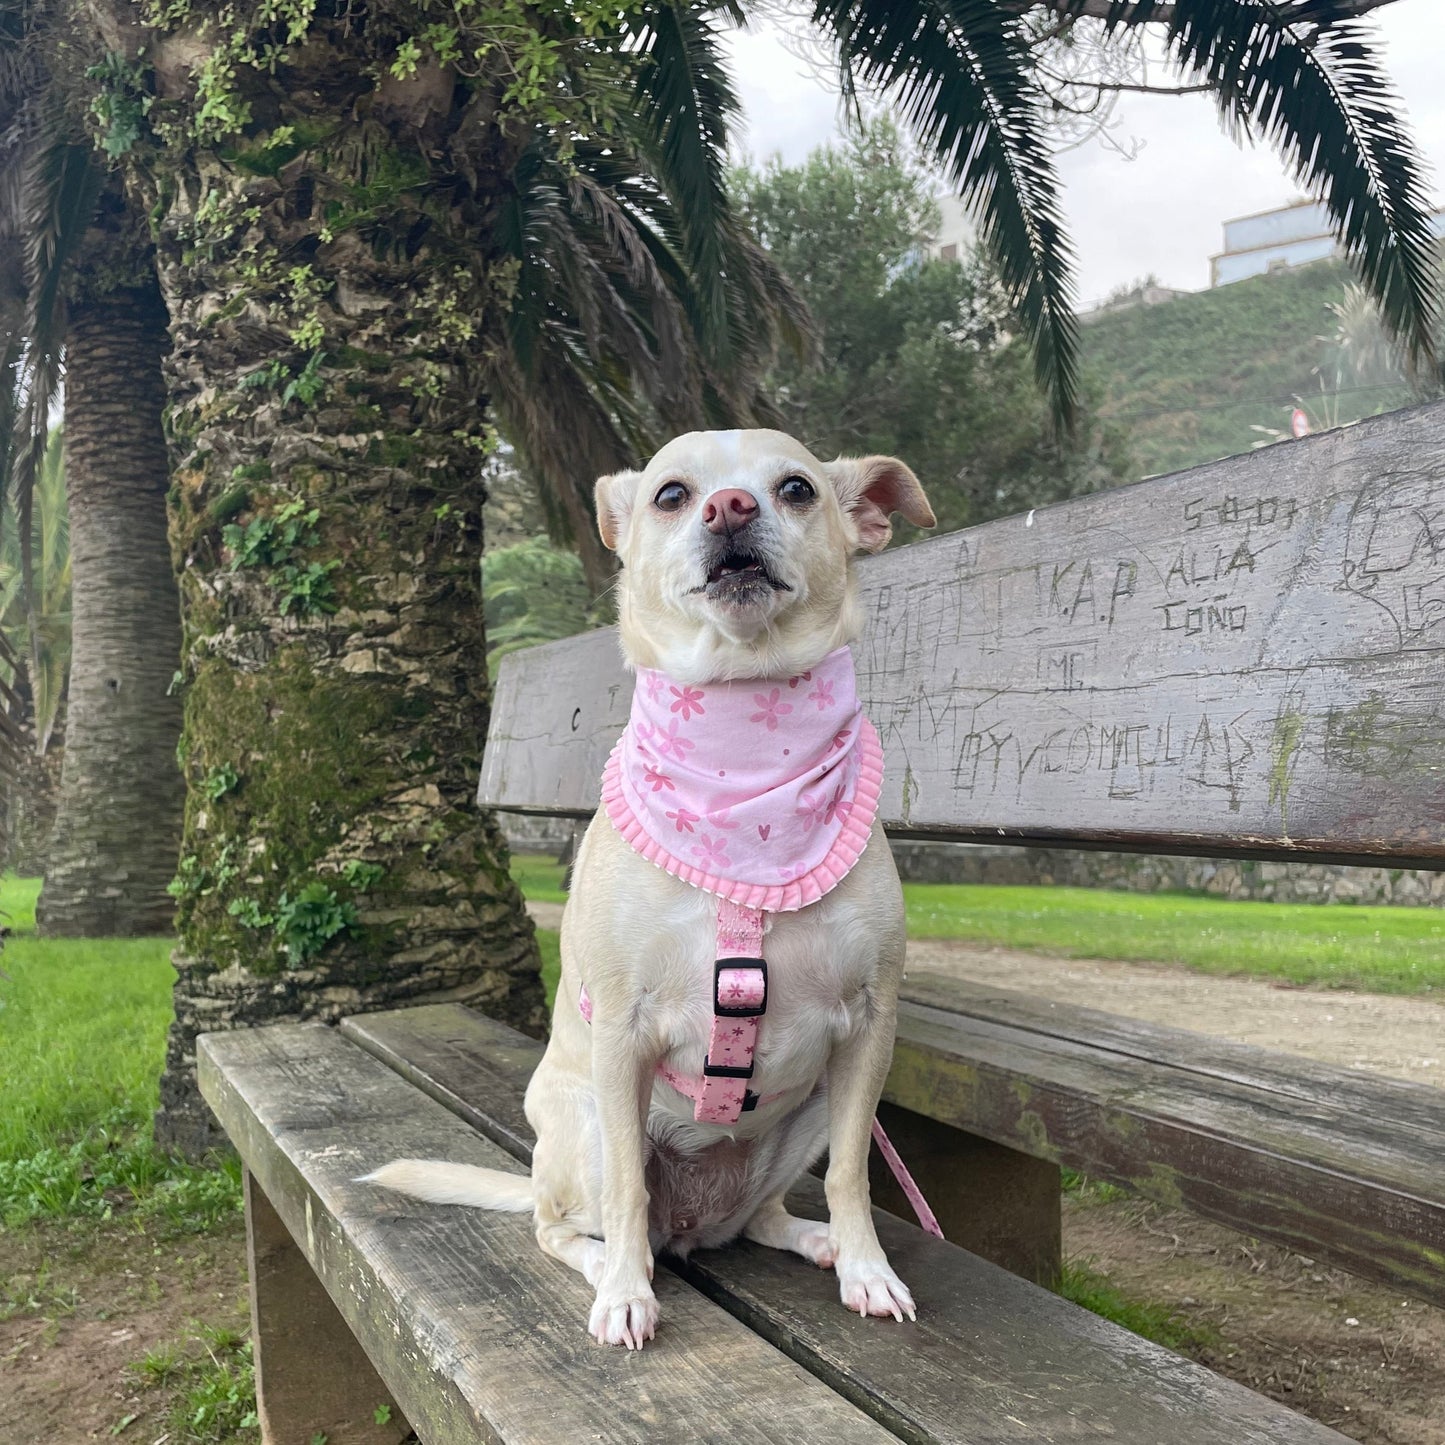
{"x":113,"y":848}
{"x":329,"y":430}
{"x":334,"y":861}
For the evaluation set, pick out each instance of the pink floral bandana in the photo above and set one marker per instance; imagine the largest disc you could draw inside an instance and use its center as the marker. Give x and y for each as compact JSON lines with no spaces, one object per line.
{"x":763,"y":793}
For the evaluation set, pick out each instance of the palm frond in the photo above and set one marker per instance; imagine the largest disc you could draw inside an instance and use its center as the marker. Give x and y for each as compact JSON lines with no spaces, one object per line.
{"x":685,"y":105}
{"x":958,"y":70}
{"x":1305,"y":77}
{"x":607,"y":349}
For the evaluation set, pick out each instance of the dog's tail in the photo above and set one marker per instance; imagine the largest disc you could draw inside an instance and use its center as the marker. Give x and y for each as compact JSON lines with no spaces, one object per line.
{"x":444,"y":1183}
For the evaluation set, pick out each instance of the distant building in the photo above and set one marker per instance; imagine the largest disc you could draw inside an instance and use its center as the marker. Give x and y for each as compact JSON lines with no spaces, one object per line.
{"x":956,"y":232}
{"x":1291,"y":235}
{"x":1150,"y":292}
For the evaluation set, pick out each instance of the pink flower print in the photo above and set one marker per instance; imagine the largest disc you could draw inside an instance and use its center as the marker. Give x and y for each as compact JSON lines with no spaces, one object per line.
{"x":688,"y":701}
{"x":837,"y":808}
{"x":840,"y":738}
{"x":792,"y":871}
{"x":823,"y":694}
{"x":659,"y":780}
{"x":644,"y":732}
{"x":670,"y":745}
{"x":712,"y":852}
{"x":801,"y":677}
{"x":812,"y":809}
{"x":682,"y":820}
{"x":722,"y":818}
{"x":773,"y":708}
{"x":653,"y":684}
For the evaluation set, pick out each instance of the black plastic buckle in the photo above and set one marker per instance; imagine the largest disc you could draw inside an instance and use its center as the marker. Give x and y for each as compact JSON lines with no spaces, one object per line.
{"x":750,"y":1101}
{"x":726,"y":1071}
{"x":738,"y":1011}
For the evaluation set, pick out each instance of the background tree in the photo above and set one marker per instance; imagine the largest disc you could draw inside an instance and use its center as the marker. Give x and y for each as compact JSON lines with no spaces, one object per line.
{"x":80,"y":267}
{"x":365,"y":245}
{"x":12,"y":747}
{"x":533,"y":592}
{"x":918,"y":357}
{"x":41,"y":677}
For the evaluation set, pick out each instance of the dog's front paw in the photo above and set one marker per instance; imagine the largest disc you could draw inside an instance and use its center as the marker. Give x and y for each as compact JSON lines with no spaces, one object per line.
{"x":870,"y":1287}
{"x":623,"y":1315}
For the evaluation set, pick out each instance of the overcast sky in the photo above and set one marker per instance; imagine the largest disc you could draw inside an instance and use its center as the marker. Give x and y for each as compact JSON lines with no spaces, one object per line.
{"x":1162,"y":212}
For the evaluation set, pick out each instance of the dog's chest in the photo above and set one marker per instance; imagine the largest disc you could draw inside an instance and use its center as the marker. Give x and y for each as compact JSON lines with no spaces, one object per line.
{"x":821,"y":963}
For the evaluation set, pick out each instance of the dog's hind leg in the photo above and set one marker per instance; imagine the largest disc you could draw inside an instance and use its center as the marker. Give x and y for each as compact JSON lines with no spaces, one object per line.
{"x":563,"y":1239}
{"x":774,"y":1227}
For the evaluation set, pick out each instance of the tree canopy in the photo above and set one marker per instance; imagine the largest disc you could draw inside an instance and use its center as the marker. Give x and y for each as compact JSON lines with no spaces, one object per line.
{"x":918,"y":357}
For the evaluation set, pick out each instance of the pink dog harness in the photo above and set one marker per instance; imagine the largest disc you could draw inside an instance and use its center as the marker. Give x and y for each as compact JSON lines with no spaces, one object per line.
{"x":763,"y":794}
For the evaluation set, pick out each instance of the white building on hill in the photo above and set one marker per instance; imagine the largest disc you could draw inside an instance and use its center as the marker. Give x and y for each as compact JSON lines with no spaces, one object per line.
{"x":1289,"y":236}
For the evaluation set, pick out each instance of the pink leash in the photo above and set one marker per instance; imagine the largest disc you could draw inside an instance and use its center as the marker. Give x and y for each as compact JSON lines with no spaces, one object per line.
{"x":926,"y":1217}
{"x":740,"y":999}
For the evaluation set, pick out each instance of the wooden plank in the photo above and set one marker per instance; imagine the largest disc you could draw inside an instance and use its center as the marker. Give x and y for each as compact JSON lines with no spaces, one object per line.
{"x":479,"y":1336}
{"x":1413,"y":1112}
{"x":1364,"y":1193}
{"x":1247,"y":658}
{"x":991,"y":1359}
{"x":293,"y":1324}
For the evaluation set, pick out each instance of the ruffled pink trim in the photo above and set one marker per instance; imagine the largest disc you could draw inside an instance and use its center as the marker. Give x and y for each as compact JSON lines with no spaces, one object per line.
{"x":822,"y":878}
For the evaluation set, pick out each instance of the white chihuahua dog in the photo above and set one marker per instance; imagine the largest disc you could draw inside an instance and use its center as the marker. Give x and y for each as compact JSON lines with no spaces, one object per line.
{"x":687,"y":1084}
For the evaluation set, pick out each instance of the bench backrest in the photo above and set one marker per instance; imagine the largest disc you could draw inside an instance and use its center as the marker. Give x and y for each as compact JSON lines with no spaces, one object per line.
{"x":1245,"y":659}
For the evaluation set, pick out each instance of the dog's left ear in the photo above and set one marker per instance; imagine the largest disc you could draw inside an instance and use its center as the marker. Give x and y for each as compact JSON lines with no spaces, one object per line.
{"x":870,"y":488}
{"x":614,"y":506}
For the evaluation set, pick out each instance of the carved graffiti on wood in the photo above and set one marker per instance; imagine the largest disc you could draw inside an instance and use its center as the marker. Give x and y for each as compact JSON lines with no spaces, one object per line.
{"x":1249,"y":656}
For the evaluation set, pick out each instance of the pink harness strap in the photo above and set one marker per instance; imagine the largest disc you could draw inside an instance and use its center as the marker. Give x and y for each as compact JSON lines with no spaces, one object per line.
{"x":740,"y":999}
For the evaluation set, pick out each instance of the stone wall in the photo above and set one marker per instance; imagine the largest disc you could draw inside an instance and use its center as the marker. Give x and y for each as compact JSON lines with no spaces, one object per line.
{"x":1147,"y":873}
{"x":526,"y":834}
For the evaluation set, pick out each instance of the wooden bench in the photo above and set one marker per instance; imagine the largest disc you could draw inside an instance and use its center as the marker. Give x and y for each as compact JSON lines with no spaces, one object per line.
{"x":1342,"y":1165}
{"x":373,"y":1314}
{"x":1248,"y":660}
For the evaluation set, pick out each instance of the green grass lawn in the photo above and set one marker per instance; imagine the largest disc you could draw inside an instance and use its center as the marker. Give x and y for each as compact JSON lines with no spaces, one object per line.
{"x":1377,"y":950}
{"x":539,"y":877}
{"x":82,"y":1033}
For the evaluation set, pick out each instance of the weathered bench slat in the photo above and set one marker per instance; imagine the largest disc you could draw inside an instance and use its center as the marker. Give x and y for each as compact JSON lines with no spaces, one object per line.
{"x":1246,"y":658}
{"x":479,"y":1336}
{"x":1409,"y":1110}
{"x":1361,"y":1192}
{"x":991,"y":1359}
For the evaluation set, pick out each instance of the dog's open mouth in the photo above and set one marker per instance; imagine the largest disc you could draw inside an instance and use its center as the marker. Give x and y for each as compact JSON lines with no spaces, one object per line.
{"x":741,"y":575}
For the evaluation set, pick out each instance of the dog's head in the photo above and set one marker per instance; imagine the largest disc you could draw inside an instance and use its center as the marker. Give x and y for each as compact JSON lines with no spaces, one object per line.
{"x":737,"y":548}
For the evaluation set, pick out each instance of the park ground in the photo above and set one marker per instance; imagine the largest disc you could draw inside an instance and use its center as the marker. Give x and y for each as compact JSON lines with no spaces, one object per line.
{"x":122,"y":1274}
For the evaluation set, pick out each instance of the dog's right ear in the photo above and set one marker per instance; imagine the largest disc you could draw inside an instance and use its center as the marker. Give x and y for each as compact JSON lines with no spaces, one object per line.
{"x":614,"y":506}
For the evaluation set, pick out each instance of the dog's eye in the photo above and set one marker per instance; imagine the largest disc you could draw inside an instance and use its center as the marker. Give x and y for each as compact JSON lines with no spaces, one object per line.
{"x":670,"y":496}
{"x":797,"y":490}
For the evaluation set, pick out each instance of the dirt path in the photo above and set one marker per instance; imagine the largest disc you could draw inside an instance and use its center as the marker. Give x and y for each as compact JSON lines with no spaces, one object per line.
{"x":1400,"y":1036}
{"x":82,"y":1305}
